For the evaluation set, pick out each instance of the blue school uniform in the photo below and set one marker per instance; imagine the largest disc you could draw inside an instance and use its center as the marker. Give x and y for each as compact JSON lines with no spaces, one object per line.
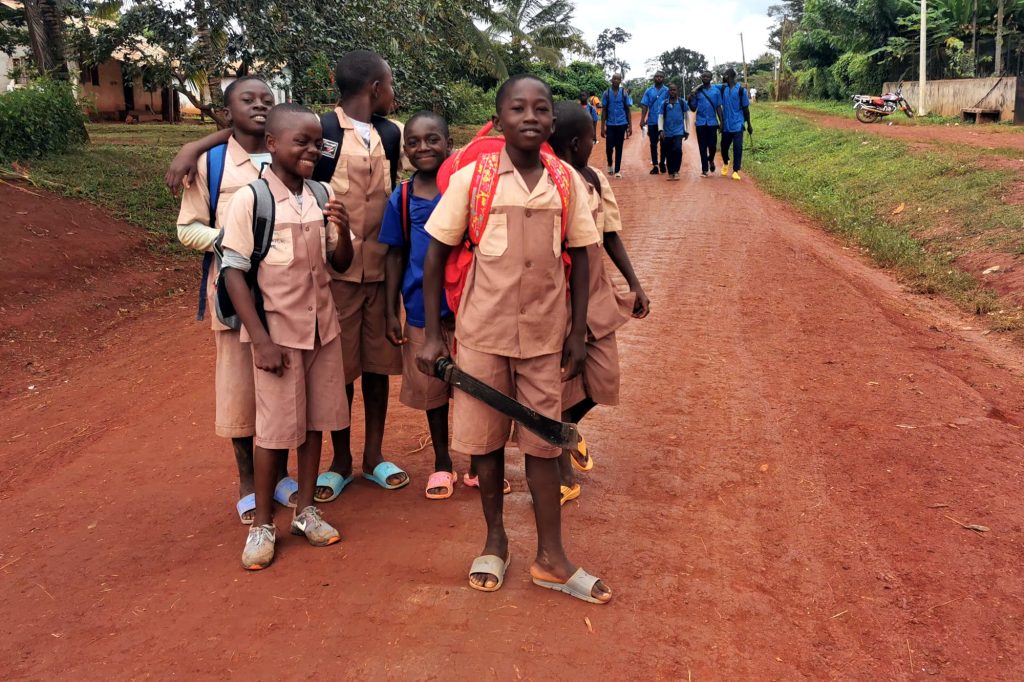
{"x":391,"y":234}
{"x":706,"y":103}
{"x":653,"y":99}
{"x":734,"y":99}
{"x":613,"y":104}
{"x":592,"y":111}
{"x":675,"y":119}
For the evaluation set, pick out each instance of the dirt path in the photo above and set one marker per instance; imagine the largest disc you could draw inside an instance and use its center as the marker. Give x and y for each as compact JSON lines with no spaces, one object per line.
{"x":770,"y":501}
{"x":974,"y":135}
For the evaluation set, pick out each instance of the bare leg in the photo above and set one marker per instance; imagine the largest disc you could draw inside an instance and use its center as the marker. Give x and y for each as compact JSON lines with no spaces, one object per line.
{"x":375,"y":405}
{"x":491,"y":469}
{"x":266,"y":467}
{"x":437,"y":421}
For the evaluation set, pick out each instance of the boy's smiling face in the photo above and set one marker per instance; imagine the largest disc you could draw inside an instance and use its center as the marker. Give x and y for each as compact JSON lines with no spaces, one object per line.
{"x":426,"y":145}
{"x":247,"y":109}
{"x":526,"y":117}
{"x":295,"y":144}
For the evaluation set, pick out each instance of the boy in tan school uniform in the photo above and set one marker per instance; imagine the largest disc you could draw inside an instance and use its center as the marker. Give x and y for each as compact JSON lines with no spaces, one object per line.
{"x":362,"y":181}
{"x":511,"y":325}
{"x":297,"y":354}
{"x":247,"y":101}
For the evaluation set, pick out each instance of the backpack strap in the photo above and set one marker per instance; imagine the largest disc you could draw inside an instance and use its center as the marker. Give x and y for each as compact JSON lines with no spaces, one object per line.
{"x":481,"y":193}
{"x":263,"y":210}
{"x":406,"y":206}
{"x":214,"y":175}
{"x":334,"y":135}
{"x":563,"y":183}
{"x":391,"y":139}
{"x":319,"y":193}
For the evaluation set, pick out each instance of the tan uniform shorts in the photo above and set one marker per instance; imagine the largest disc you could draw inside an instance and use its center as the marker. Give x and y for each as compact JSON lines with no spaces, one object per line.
{"x":234,"y":387}
{"x":599,"y":380}
{"x":362,"y":312}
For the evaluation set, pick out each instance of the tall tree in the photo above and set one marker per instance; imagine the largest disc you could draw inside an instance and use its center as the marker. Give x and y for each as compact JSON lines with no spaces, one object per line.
{"x":606,"y":50}
{"x":683,"y":66}
{"x":536,"y":29}
{"x":45,"y":23}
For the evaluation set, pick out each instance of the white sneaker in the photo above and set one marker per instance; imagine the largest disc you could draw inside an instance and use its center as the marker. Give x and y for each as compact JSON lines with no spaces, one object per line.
{"x":259,"y":547}
{"x":310,"y":523}
{"x":610,"y":170}
{"x":618,"y":175}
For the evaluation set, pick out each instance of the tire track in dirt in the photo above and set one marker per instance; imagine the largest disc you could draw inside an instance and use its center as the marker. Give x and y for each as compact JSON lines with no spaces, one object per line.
{"x":760,"y":505}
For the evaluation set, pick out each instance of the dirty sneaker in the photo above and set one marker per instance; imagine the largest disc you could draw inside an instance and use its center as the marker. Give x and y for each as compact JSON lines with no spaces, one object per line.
{"x":310,"y":523}
{"x":610,"y":170}
{"x":259,"y":547}
{"x":736,"y":175}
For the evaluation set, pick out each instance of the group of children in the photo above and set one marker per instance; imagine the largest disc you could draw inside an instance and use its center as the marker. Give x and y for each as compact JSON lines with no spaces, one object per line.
{"x":321,"y":253}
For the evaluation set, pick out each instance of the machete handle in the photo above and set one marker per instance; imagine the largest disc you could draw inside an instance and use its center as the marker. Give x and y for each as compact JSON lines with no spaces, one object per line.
{"x":443,"y":369}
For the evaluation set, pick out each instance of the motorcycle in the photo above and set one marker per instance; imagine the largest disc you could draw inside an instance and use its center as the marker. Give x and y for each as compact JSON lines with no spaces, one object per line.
{"x":870,"y":108}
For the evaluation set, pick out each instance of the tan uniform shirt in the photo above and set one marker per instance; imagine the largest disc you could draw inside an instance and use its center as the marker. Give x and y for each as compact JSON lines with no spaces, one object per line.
{"x":194,"y":229}
{"x":514,"y":303}
{"x":362,"y":182}
{"x":609,"y":307}
{"x":293,"y":276}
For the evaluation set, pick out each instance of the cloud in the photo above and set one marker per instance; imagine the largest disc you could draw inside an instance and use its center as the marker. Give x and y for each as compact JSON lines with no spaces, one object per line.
{"x":711,"y":28}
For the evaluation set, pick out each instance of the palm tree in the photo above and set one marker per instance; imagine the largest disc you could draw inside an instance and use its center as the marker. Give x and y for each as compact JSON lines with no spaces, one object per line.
{"x":45,"y":24}
{"x":538,"y":28}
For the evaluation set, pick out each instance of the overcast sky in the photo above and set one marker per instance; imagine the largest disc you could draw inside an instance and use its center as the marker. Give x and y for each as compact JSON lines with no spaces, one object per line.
{"x":710,"y":27}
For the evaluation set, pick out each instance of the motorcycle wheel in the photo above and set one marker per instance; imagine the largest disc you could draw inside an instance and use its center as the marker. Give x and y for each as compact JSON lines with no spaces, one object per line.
{"x":908,"y":111}
{"x":867,"y":116}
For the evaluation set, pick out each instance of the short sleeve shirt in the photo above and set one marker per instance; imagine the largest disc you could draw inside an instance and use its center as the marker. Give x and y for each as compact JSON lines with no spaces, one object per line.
{"x":392,"y":234}
{"x":734,"y":100}
{"x":707,"y":102}
{"x":614,"y":105}
{"x":514,"y":301}
{"x":292,"y":277}
{"x":610,"y":307}
{"x":653,"y":99}
{"x":675,"y":118}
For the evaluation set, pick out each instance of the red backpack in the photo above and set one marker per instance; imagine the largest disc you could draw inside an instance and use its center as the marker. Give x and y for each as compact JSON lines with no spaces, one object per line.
{"x":485,"y":151}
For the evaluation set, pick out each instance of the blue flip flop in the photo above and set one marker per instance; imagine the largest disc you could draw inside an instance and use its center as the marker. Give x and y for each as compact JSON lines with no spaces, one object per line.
{"x":246,"y":504}
{"x":382,"y":472}
{"x":335,"y":481}
{"x":286,"y":487}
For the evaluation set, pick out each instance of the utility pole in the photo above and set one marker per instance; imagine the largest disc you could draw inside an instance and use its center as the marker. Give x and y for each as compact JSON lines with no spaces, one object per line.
{"x":922,"y":77}
{"x":743,"y":52}
{"x":999,"y":39}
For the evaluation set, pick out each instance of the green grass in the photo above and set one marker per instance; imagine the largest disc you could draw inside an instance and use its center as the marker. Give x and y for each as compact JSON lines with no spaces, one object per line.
{"x":855,"y":184}
{"x":845,"y":110}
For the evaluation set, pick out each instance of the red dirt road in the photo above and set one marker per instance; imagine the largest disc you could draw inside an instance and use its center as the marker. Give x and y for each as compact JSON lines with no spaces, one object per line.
{"x":967,"y":134}
{"x":771,"y":501}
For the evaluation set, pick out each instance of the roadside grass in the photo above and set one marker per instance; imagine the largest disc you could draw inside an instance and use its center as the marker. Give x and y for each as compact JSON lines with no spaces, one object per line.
{"x":918,"y":213}
{"x":845,"y":110}
{"x":122,"y":169}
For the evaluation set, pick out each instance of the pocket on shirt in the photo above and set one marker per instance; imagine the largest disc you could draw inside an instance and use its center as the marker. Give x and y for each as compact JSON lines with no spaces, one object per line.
{"x":339,"y":181}
{"x":495,"y":238}
{"x":556,"y":232}
{"x":282,"y":251}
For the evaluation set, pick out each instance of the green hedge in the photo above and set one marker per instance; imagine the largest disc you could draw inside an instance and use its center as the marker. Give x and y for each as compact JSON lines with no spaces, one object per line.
{"x":39,"y":119}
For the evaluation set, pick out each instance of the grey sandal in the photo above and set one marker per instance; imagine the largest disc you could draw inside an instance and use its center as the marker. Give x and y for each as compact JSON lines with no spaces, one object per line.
{"x":580,"y":585}
{"x":491,"y":564}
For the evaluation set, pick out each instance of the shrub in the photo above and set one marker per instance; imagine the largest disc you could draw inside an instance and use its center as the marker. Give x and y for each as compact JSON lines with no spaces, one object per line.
{"x":467,"y":103}
{"x":40,"y":119}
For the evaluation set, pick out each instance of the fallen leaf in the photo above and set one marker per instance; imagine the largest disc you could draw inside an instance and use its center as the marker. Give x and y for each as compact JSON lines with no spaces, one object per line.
{"x":764,"y":468}
{"x":980,"y":529}
{"x":590,"y":626}
{"x":989,"y":271}
{"x":938,"y":506}
{"x":905,"y":426}
{"x":872,"y":383}
{"x":899,"y":209}
{"x":92,"y":525}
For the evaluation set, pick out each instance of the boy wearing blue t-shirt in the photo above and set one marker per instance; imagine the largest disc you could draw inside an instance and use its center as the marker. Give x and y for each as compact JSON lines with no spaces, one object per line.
{"x":616,"y":122}
{"x":706,"y":102}
{"x":591,"y":111}
{"x":735,"y":112}
{"x":427,"y":145}
{"x":650,"y":109}
{"x":675,"y":127}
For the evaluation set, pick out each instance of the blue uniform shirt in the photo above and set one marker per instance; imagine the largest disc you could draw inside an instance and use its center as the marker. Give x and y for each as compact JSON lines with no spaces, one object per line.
{"x":653,"y":99}
{"x":734,"y":99}
{"x":707,"y":106}
{"x":675,"y":118}
{"x":392,"y":235}
{"x":592,"y":111}
{"x":612,"y":103}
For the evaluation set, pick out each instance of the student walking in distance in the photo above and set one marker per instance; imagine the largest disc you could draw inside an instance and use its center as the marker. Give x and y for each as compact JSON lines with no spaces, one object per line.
{"x":512,"y":318}
{"x":650,"y":109}
{"x":706,"y":102}
{"x":591,"y":111}
{"x":616,"y":122}
{"x":674,"y":123}
{"x":735,"y":111}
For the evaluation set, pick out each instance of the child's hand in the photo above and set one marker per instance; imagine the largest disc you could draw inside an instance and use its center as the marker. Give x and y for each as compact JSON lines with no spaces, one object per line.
{"x":427,"y":358}
{"x":642,"y":305}
{"x":182,"y":170}
{"x":336,"y":213}
{"x":574,"y":354}
{"x":661,"y":136}
{"x":394,"y":331}
{"x":269,"y":357}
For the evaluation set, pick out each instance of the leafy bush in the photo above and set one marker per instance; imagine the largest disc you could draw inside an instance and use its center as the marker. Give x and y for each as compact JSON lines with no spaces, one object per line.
{"x":467,"y":103}
{"x":39,"y":119}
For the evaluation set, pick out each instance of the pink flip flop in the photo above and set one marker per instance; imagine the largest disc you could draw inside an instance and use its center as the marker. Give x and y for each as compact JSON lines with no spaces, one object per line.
{"x":441,"y":479}
{"x":474,"y":482}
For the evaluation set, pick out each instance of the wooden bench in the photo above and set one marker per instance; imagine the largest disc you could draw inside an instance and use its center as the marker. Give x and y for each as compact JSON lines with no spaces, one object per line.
{"x":980,"y":115}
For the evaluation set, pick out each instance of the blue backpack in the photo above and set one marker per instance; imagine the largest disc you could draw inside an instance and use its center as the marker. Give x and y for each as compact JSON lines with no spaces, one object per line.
{"x":214,"y":175}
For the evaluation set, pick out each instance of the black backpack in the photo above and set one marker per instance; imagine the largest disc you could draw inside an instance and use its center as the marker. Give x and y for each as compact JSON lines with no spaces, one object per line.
{"x":334,"y":135}
{"x":263,"y":210}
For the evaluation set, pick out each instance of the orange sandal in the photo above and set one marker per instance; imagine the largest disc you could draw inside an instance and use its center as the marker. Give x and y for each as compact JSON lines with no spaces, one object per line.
{"x":441,"y":479}
{"x":474,"y":482}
